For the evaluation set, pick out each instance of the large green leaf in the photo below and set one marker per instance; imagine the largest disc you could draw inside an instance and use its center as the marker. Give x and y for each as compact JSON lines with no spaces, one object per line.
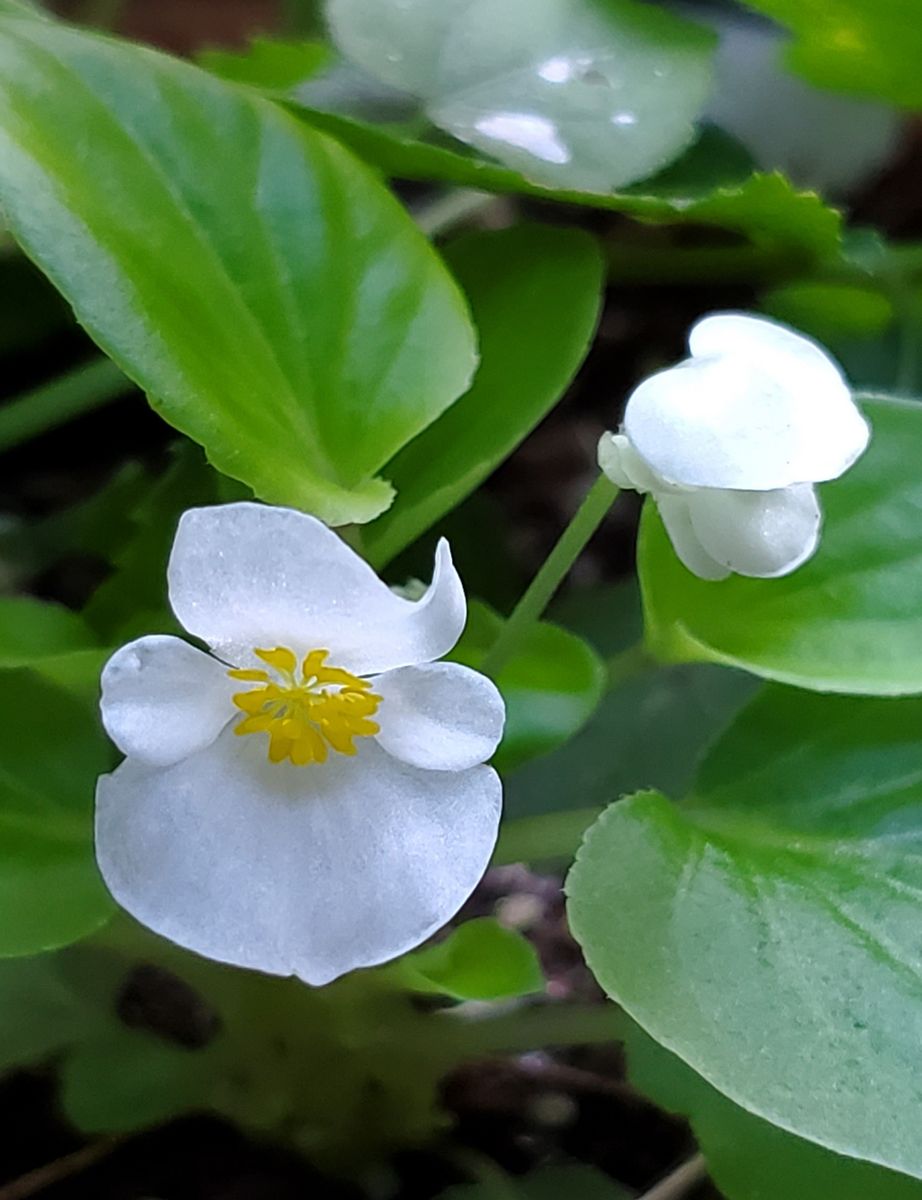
{"x":748,"y":1158}
{"x":850,"y":620}
{"x":534,"y":292}
{"x":571,"y":93}
{"x":872,"y":47}
{"x":767,"y":931}
{"x":704,"y":190}
{"x":51,"y":752}
{"x":649,"y":730}
{"x":269,"y":294}
{"x":647,"y":733}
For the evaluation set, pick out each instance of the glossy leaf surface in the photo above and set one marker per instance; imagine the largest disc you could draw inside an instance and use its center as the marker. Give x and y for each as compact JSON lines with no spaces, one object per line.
{"x":277,"y":303}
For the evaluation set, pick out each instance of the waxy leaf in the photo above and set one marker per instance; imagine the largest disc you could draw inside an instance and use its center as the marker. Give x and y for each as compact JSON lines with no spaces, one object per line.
{"x":871,"y":47}
{"x":748,"y":1158}
{"x":850,"y":619}
{"x":767,"y":931}
{"x":480,"y":960}
{"x":52,"y":750}
{"x":271,"y":296}
{"x":701,"y":188}
{"x":534,"y":293}
{"x":571,"y":93}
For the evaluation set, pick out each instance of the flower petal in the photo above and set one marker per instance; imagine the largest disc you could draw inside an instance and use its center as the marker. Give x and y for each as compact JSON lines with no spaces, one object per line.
{"x":759,"y":407}
{"x":162,"y":699}
{"x":311,"y":871}
{"x":763,"y":534}
{"x":243,"y":576}
{"x":441,"y":716}
{"x":685,"y":541}
{"x":624,"y":467}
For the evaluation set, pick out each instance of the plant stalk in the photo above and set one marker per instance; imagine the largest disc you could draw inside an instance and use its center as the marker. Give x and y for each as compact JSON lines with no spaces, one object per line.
{"x":79,"y":391}
{"x":556,"y":566}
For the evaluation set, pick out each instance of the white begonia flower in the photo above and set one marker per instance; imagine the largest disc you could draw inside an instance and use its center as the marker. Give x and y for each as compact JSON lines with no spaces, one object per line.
{"x":310,"y":797}
{"x":730,"y":442}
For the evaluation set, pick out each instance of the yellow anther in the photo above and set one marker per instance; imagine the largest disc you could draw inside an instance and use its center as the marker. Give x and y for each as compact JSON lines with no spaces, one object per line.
{"x":280,"y":659}
{"x":327,"y":707}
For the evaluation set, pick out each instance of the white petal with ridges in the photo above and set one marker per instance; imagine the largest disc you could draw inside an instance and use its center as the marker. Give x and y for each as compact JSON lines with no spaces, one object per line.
{"x":162,"y":699}
{"x":440,"y":716}
{"x":247,"y":575}
{"x":312,"y":871}
{"x":762,"y":534}
{"x":758,"y":408}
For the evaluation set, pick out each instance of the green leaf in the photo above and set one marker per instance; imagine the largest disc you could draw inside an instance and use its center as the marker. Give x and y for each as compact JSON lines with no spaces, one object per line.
{"x":268,"y":63}
{"x":31,"y":630}
{"x":701,"y":189}
{"x":480,"y":960}
{"x":767,"y":931}
{"x":829,"y":311}
{"x":534,"y":293}
{"x":650,"y":728}
{"x":847,"y":621}
{"x":647,"y":733}
{"x":51,"y":753}
{"x":551,"y":686}
{"x":568,"y":92}
{"x":872,"y":49}
{"x":748,"y":1158}
{"x":275,"y":301}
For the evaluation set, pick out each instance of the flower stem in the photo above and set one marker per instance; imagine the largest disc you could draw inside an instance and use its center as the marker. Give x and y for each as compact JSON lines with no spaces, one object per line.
{"x":571,"y":544}
{"x":81,"y":390}
{"x":546,"y":838}
{"x":450,"y":209}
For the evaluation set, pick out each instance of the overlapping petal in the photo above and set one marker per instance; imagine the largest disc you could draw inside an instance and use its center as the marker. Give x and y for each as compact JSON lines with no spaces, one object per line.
{"x":623,"y":465}
{"x":162,"y":699}
{"x":763,"y":534}
{"x":249,"y":575}
{"x":311,"y":871}
{"x":758,"y":407}
{"x":676,"y":514}
{"x":439,"y":716}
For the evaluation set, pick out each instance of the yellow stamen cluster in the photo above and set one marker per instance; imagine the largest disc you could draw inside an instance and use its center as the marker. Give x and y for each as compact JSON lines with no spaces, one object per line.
{"x":303,"y":715}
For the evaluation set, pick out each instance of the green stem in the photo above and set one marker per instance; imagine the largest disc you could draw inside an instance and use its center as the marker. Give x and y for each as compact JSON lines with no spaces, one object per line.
{"x":518,"y":1030}
{"x":550,"y":837}
{"x":452,"y":208}
{"x":588,"y":518}
{"x":81,"y":390}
